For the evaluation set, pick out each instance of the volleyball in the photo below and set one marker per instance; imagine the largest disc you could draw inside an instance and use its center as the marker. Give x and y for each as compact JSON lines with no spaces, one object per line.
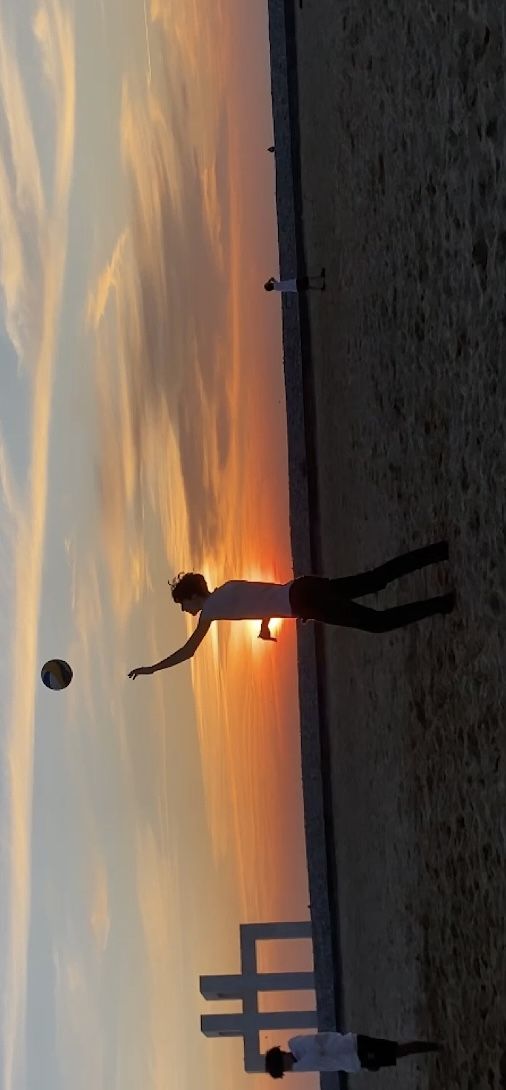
{"x":56,"y":674}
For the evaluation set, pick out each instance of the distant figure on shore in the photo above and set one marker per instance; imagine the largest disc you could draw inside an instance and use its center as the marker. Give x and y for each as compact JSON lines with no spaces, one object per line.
{"x":297,"y":283}
{"x":340,"y":1052}
{"x":310,"y":597}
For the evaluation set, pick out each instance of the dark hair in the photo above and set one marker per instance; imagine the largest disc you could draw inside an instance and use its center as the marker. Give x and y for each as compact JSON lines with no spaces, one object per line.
{"x":269,"y":286}
{"x":188,"y":585}
{"x":274,"y":1064}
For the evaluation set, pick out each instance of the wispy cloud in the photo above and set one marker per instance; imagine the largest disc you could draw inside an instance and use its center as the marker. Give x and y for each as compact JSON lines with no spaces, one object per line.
{"x":170,"y":972}
{"x":77,"y":1014}
{"x":32,"y":264}
{"x":8,"y":489}
{"x":22,"y":203}
{"x":100,"y":920}
{"x":158,"y":311}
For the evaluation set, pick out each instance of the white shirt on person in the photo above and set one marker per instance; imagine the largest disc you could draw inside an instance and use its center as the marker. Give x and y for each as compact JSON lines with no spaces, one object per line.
{"x":241,"y":599}
{"x":284,"y":285}
{"x":325,"y":1052}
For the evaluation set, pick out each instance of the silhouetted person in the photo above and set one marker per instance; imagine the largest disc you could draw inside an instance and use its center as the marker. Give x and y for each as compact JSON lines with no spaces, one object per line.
{"x":310,"y":597}
{"x":297,"y":283}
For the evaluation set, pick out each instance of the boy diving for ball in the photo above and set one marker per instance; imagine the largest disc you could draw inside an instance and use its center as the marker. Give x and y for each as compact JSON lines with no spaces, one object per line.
{"x":310,"y":597}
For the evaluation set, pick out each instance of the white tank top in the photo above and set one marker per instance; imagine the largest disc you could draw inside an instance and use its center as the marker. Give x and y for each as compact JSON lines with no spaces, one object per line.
{"x":241,"y":600}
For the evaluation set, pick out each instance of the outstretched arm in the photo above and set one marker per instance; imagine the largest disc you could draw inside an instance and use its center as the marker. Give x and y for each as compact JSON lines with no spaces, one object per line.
{"x":185,"y":652}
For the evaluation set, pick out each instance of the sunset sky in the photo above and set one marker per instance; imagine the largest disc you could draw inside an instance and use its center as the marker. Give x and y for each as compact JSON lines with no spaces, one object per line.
{"x":142,"y":431}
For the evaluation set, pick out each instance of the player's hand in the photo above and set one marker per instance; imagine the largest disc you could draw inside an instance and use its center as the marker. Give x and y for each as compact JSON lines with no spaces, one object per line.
{"x":138,"y":671}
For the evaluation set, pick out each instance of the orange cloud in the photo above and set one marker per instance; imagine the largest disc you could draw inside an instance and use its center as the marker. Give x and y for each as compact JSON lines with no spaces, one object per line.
{"x":167,"y":390}
{"x":54,"y":32}
{"x":108,"y":281}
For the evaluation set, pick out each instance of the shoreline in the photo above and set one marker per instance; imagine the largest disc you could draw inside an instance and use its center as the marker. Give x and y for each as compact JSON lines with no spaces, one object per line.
{"x":304,"y":505}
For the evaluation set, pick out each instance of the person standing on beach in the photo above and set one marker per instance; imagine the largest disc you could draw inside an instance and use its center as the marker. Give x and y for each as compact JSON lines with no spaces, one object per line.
{"x":340,"y":1052}
{"x":297,"y":283}
{"x":310,"y":597}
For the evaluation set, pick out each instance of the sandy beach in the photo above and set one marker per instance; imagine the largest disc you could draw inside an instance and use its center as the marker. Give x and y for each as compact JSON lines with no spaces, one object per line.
{"x":402,"y":114}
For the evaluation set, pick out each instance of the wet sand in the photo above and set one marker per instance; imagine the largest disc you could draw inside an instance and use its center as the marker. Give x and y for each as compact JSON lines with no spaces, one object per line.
{"x":402,"y":117}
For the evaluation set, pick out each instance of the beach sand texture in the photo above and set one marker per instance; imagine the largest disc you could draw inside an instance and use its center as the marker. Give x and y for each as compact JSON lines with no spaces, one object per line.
{"x":402,"y":110}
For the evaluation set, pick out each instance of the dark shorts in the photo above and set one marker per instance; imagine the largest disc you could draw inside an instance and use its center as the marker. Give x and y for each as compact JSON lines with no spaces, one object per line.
{"x":309,"y":597}
{"x":376,"y":1052}
{"x":316,"y":598}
